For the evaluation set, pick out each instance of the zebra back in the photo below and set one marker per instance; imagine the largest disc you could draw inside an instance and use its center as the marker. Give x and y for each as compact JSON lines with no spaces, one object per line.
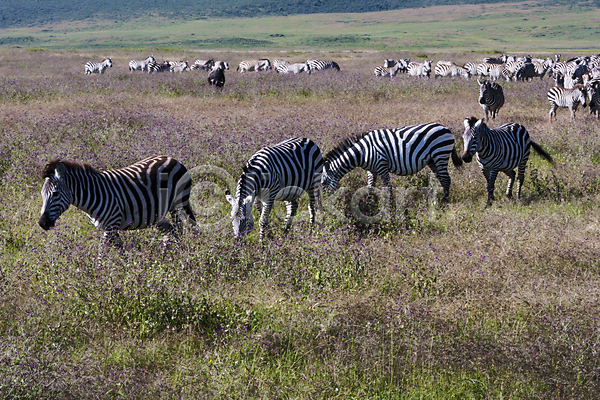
{"x":320,"y":65}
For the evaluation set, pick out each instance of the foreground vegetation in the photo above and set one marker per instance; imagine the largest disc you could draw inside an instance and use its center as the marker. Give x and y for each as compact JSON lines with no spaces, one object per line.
{"x":460,"y":301}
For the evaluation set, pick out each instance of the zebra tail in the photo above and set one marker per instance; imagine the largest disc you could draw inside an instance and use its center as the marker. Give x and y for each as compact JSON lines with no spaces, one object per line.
{"x":542,"y":152}
{"x":456,"y":160}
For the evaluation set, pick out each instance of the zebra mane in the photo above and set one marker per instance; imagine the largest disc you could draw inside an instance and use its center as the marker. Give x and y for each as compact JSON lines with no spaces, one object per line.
{"x":70,"y":165}
{"x":342,"y":147}
{"x":471,"y":121}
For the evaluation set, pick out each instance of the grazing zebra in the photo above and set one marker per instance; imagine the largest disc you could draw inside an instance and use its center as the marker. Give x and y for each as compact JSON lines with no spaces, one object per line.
{"x":443,"y":69}
{"x":491,"y":98}
{"x":526,"y":72}
{"x":141,"y":65}
{"x":206,"y":65}
{"x":499,"y":150}
{"x":277,"y":62}
{"x":559,"y":96}
{"x":156,"y":67}
{"x":493,"y":71}
{"x":178,"y":66}
{"x":282,"y":172}
{"x":97,"y":68}
{"x":134,"y":197}
{"x":419,"y":69}
{"x":295,"y":68}
{"x":321,"y":65}
{"x":472,"y":68}
{"x":254,"y":65}
{"x":402,"y":151}
{"x":216,"y":77}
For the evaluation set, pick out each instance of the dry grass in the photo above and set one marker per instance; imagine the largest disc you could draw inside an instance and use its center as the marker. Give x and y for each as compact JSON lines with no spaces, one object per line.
{"x":461,"y":301}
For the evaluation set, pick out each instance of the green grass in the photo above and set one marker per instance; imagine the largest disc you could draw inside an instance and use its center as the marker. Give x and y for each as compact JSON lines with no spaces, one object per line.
{"x":501,"y":27}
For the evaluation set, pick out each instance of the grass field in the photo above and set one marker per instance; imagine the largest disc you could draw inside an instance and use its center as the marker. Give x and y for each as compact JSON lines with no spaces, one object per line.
{"x":525,"y":27}
{"x":460,"y":301}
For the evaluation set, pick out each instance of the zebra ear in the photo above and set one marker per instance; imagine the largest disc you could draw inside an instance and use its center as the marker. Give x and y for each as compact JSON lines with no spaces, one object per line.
{"x":229,"y":197}
{"x":467,"y":123}
{"x":478,"y":81}
{"x":59,"y":171}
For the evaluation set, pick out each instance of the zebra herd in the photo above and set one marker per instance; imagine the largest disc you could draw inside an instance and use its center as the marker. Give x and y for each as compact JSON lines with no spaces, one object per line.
{"x":141,"y":195}
{"x":576,"y":81}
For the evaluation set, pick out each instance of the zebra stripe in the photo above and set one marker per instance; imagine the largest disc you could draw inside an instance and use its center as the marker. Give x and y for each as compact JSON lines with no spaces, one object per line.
{"x":206,"y":65}
{"x":559,"y":96}
{"x":419,"y":69}
{"x":321,"y":65}
{"x":448,"y":68}
{"x":499,"y":150}
{"x":277,"y":62}
{"x":134,"y":197}
{"x":254,"y":65}
{"x":141,"y":65}
{"x":97,"y":68}
{"x":282,"y":172}
{"x":491,"y":98}
{"x":295,"y":68}
{"x":592,"y":88}
{"x":156,"y":67}
{"x":402,"y":151}
{"x":178,"y":66}
{"x":495,"y":60}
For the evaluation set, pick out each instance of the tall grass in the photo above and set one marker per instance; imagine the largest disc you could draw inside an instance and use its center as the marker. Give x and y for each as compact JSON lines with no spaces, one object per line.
{"x":458,"y":301}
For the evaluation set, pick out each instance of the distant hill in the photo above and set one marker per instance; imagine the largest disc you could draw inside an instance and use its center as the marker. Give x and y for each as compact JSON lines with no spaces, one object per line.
{"x":21,"y":13}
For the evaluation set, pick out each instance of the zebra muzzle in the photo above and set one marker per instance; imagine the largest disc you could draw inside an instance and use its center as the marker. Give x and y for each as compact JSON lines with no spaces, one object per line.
{"x":467,"y":158}
{"x":45,"y":222}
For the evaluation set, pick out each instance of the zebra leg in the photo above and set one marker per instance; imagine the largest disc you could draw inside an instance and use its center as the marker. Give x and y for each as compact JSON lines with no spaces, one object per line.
{"x":521,"y":178}
{"x":511,"y":180}
{"x":292,"y":209}
{"x":313,"y":198}
{"x":490,"y":176}
{"x":371,"y":178}
{"x":441,"y":173}
{"x":552,"y":112}
{"x":264,"y":216}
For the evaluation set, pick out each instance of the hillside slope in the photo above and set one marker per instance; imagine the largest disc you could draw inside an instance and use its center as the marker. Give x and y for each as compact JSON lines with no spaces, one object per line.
{"x":24,"y":13}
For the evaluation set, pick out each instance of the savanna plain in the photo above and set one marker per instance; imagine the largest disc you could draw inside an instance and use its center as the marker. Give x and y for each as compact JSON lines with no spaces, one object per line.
{"x":433,"y":301}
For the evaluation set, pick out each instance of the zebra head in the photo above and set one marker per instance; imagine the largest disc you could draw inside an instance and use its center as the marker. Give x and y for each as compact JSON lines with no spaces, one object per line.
{"x":241,"y":214}
{"x":470,"y":138}
{"x":484,"y":88}
{"x":108,"y":62}
{"x":56,"y":196}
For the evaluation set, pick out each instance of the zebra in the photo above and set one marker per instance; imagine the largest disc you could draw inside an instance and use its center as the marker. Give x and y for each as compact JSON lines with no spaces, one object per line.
{"x":134,"y":197}
{"x":593,"y":88}
{"x":491,"y":97}
{"x":178,"y":66}
{"x":224,"y":65}
{"x":281,"y":172}
{"x":452,"y":70}
{"x":472,"y":68}
{"x":527,"y":71}
{"x":277,"y":62}
{"x":493,"y":71}
{"x":254,"y":65}
{"x":383,"y":70}
{"x":321,"y":65}
{"x":495,"y":60}
{"x":295,"y":68}
{"x":217,"y":77}
{"x":97,"y":68}
{"x":141,"y":65}
{"x":402,"y":151}
{"x":156,"y":67}
{"x":419,"y":69}
{"x":206,"y":65}
{"x":559,"y":96}
{"x":499,"y":150}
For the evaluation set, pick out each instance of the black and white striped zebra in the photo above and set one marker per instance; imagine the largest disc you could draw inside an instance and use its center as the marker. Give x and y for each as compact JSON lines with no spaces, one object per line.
{"x":283,"y":172}
{"x":262,"y":64}
{"x":491,"y":97}
{"x":134,"y":197}
{"x":593,"y":92}
{"x":135,"y":65}
{"x":450,"y":69}
{"x":499,"y":150}
{"x":321,"y":65}
{"x":419,"y":69}
{"x":205,"y":65}
{"x":277,"y":62}
{"x":559,"y":96}
{"x":401,"y":151}
{"x":472,"y":68}
{"x":495,"y":60}
{"x":295,"y":68}
{"x":97,"y":68}
{"x":216,"y":77}
{"x":156,"y":67}
{"x":178,"y":66}
{"x":492,"y":71}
